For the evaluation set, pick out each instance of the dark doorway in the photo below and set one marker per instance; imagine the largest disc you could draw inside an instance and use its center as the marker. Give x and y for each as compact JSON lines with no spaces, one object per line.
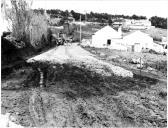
{"x":108,"y":42}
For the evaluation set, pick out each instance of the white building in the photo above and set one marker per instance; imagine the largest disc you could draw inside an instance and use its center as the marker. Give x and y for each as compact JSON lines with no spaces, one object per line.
{"x":136,"y":27}
{"x":137,"y":41}
{"x":137,"y":24}
{"x":106,"y":37}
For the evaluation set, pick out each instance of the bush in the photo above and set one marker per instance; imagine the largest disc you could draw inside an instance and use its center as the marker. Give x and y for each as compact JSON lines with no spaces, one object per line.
{"x":153,"y":51}
{"x":163,"y":94}
{"x":160,"y":66}
{"x":156,"y":37}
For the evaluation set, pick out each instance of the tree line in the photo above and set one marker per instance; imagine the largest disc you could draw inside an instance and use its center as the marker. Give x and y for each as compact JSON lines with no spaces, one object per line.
{"x":159,"y":22}
{"x":94,"y":17}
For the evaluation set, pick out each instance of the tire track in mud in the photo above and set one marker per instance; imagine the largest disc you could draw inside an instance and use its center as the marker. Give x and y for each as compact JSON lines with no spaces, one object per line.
{"x":36,"y":108}
{"x":54,"y":115}
{"x":40,"y":116}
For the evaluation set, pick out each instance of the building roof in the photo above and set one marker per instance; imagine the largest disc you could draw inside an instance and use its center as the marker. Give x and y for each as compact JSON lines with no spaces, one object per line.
{"x":137,"y":34}
{"x":108,"y":31}
{"x":138,"y":37}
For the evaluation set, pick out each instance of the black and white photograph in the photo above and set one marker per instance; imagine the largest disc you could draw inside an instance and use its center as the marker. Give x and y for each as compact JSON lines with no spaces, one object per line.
{"x":83,"y":63}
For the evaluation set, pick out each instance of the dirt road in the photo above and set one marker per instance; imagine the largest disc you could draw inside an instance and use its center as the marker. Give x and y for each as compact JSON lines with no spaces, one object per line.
{"x":78,"y":56}
{"x":61,"y":54}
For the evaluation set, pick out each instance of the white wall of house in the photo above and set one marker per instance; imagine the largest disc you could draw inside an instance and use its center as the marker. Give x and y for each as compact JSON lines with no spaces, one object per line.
{"x":137,"y":27}
{"x":101,"y":37}
{"x":118,"y":44}
{"x":138,"y":40}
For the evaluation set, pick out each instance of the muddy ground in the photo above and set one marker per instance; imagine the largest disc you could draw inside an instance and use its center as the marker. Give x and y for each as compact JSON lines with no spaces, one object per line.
{"x":76,"y":97}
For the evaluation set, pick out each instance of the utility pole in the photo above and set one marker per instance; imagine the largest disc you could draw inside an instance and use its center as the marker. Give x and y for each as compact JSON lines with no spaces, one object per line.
{"x":85,"y":16}
{"x":80,"y":30}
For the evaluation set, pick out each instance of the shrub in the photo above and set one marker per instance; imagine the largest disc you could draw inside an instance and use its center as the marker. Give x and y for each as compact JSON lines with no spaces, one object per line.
{"x":163,"y":94}
{"x":153,"y":51}
{"x":160,"y":66}
{"x":157,"y":37}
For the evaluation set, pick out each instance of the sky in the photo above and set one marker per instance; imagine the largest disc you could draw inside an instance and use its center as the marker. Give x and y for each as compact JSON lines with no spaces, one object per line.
{"x":146,"y":8}
{"x":126,"y":7}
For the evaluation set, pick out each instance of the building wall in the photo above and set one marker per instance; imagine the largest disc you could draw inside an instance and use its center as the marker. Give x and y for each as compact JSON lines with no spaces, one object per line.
{"x":137,"y":47}
{"x":118,"y":44}
{"x":137,"y":24}
{"x":138,"y":41}
{"x":137,"y":27}
{"x":99,"y":41}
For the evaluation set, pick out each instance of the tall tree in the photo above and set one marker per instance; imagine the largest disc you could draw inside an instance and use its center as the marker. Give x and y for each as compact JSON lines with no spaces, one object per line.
{"x":20,"y":17}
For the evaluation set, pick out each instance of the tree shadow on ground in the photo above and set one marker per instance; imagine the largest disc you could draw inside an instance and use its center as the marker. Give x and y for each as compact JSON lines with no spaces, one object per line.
{"x":80,"y":82}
